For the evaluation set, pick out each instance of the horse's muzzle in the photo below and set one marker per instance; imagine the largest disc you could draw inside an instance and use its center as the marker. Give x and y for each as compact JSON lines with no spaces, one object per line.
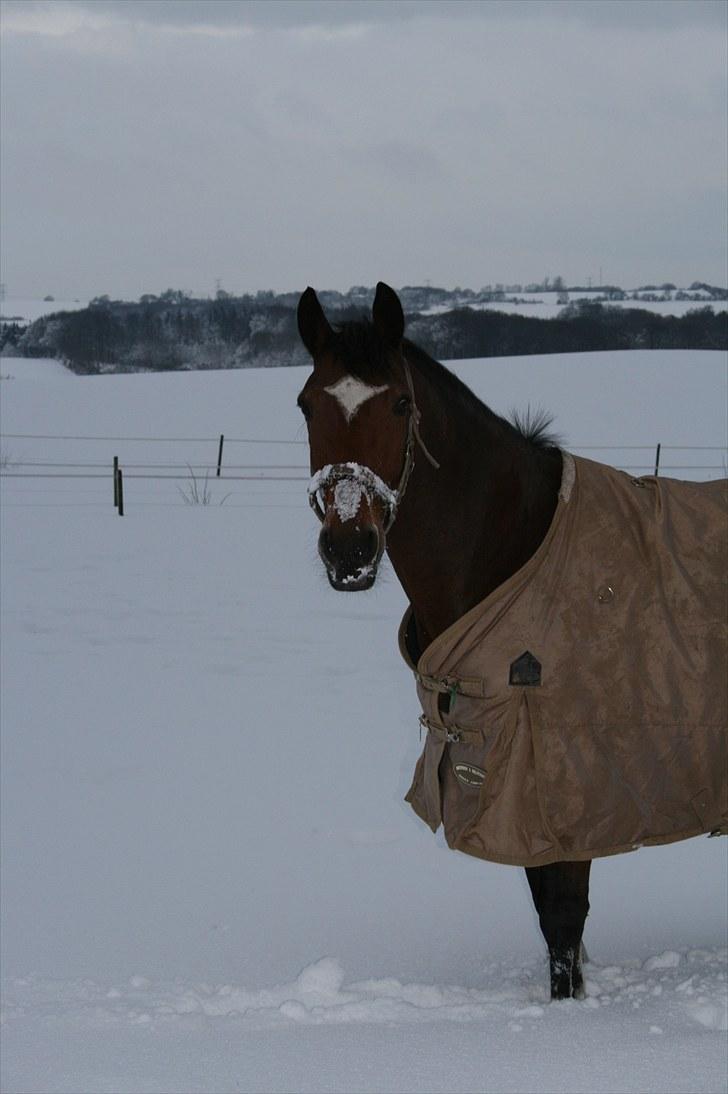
{"x":351,"y":556}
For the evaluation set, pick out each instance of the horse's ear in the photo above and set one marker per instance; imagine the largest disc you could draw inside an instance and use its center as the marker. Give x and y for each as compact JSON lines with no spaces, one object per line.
{"x":313,"y":325}
{"x":387,"y":315}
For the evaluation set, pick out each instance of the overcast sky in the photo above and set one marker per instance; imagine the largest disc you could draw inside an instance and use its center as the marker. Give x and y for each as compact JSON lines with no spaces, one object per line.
{"x":276,"y":144}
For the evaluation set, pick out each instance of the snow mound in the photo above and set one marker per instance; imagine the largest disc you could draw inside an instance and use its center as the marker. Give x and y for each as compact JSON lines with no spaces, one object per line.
{"x":692,"y":984}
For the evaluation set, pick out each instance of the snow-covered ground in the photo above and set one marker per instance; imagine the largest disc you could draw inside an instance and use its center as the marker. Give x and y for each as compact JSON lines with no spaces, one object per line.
{"x":210,"y":880}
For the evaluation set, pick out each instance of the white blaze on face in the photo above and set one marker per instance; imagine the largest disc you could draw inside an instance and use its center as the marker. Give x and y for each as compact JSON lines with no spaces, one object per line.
{"x":351,"y":393}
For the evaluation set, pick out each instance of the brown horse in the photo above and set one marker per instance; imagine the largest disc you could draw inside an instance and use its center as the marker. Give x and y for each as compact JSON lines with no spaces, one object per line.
{"x":497,"y":537}
{"x":405,"y":458}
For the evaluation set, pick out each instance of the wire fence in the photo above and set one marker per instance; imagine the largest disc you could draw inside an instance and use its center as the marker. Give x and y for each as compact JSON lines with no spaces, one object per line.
{"x":29,"y":481}
{"x":151,"y":440}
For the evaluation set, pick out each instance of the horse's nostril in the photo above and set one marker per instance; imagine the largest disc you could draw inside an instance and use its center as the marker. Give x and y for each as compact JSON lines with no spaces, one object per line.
{"x":357,"y":550}
{"x":364,"y":548}
{"x":326,"y":543}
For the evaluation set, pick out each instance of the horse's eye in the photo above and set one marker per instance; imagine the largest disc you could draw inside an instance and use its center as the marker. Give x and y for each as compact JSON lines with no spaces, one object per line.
{"x":304,"y":408}
{"x":402,"y":405}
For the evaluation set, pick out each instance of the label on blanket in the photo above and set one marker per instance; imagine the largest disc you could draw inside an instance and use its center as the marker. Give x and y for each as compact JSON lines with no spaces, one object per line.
{"x":469,"y":774}
{"x":525,"y":671}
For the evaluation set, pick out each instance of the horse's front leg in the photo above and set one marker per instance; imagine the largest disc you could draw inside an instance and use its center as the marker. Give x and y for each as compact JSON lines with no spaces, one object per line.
{"x":561,"y":895}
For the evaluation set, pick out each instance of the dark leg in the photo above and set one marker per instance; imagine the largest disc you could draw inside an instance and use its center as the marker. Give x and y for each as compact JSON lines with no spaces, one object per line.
{"x":561,"y":895}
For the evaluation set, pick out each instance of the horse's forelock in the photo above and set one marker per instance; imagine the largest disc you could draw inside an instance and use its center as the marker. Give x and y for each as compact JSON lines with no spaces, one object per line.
{"x":361,"y":351}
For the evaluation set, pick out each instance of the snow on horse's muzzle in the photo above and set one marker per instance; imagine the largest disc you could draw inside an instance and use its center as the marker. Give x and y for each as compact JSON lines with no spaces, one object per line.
{"x":352,"y":539}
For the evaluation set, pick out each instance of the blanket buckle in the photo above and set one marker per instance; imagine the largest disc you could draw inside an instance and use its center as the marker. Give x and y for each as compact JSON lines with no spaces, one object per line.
{"x":450,"y":736}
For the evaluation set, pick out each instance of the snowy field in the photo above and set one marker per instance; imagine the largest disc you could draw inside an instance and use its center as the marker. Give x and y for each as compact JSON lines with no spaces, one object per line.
{"x":549,"y":309}
{"x":210,"y":880}
{"x":545,"y":305}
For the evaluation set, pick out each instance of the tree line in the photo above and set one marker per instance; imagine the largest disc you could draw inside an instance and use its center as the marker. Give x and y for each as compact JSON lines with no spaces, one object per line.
{"x":174,"y":332}
{"x":579,"y":327}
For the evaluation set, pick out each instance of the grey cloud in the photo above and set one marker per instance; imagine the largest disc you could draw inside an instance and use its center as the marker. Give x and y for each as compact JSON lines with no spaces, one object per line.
{"x":410,"y":148}
{"x":401,"y":161}
{"x":634,"y":15}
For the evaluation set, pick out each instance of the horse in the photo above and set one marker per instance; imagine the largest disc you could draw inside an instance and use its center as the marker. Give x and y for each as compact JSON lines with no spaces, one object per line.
{"x":406,"y":459}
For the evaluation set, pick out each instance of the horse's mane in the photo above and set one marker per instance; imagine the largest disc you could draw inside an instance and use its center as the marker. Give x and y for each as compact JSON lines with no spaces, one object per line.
{"x":361,"y":350}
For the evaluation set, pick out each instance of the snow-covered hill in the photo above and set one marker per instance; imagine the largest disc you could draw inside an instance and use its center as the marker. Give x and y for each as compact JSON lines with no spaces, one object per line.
{"x":210,"y":880}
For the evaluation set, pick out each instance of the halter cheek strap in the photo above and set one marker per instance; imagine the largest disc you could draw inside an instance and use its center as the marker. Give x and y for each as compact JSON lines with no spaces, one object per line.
{"x":366,"y":480}
{"x":414,"y":422}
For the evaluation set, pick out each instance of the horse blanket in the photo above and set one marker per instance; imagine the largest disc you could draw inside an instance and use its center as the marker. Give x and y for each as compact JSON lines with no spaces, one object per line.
{"x":580,"y":709}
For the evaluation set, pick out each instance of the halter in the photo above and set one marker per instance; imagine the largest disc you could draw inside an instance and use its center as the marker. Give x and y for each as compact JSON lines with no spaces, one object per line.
{"x":366,"y":479}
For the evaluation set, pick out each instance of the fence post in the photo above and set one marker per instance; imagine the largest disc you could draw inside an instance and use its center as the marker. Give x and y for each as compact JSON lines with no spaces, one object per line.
{"x":116,"y":483}
{"x":657,"y":461}
{"x":120,"y":492}
{"x":219,"y":454}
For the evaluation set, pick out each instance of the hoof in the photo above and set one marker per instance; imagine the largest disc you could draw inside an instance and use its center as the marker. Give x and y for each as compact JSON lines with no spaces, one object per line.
{"x":567,"y":981}
{"x":560,"y":992}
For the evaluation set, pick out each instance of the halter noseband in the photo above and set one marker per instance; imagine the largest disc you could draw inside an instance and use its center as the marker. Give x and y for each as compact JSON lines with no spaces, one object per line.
{"x":366,"y":479}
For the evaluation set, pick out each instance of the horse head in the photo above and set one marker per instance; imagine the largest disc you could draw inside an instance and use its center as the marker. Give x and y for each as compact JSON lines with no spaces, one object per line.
{"x":359,"y":411}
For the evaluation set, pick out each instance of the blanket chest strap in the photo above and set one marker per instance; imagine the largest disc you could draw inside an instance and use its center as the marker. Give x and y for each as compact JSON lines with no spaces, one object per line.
{"x":471,"y":686}
{"x":451,"y":734}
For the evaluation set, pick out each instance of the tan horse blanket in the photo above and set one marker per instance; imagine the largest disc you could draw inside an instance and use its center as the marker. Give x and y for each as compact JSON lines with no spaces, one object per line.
{"x":580,"y":709}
